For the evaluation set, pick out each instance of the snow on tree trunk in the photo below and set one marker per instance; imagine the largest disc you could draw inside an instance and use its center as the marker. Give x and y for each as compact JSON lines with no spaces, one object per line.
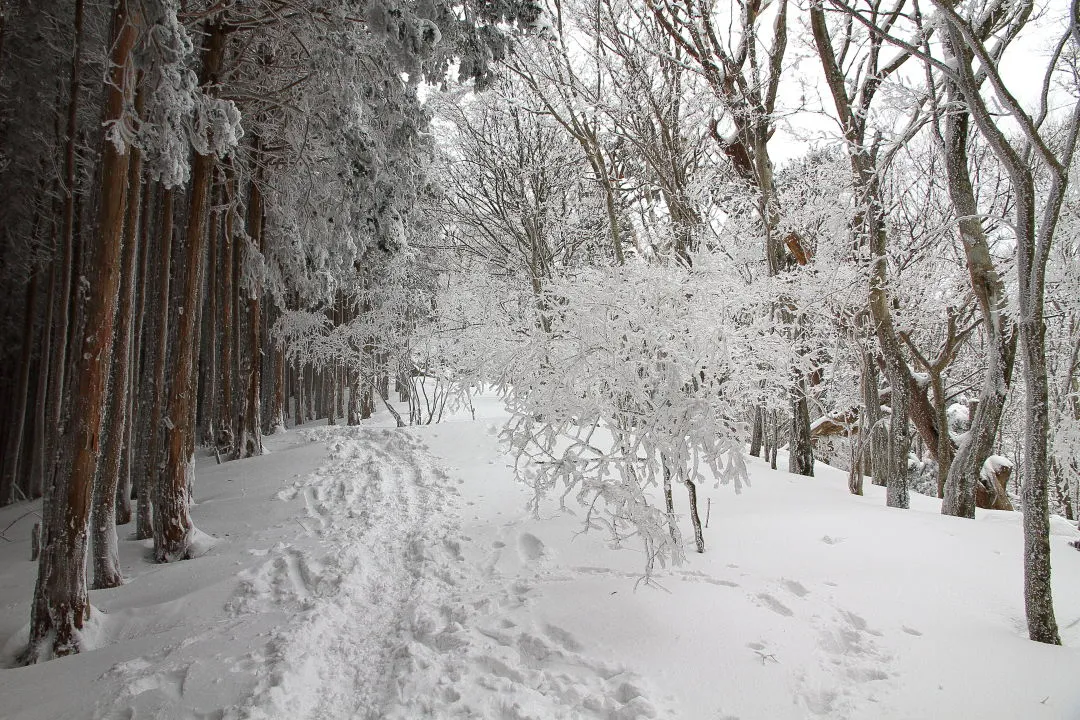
{"x":669,"y":501}
{"x":896,"y":490}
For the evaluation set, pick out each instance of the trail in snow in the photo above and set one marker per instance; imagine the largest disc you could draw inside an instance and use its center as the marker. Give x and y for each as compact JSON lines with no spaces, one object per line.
{"x":383,"y":617}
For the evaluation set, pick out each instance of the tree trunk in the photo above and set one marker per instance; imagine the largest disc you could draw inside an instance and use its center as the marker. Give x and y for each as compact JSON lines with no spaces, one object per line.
{"x":800,"y":447}
{"x":875,"y":446}
{"x":173,"y":529}
{"x":251,"y":427}
{"x":1042,"y":624}
{"x":211,"y":371}
{"x":146,"y":488}
{"x":896,"y":491}
{"x":963,"y":475}
{"x":756,"y":432}
{"x":354,"y":397}
{"x":226,"y":414}
{"x":669,"y":502}
{"x":61,"y":337}
{"x":276,"y":410}
{"x":141,"y":359}
{"x":106,"y":558}
{"x":41,"y":464}
{"x":855,"y":472}
{"x":695,"y":519}
{"x":61,"y":604}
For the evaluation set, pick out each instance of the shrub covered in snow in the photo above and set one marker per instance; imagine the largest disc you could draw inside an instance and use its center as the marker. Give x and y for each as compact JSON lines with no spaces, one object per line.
{"x":638,"y":383}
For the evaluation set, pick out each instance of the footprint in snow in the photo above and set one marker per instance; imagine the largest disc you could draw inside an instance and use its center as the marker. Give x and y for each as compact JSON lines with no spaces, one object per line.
{"x":775,"y":605}
{"x":796,"y":588}
{"x":531,"y":548}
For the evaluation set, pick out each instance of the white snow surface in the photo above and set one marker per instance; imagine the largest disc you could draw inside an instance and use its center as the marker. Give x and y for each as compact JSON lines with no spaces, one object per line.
{"x":373,"y":572}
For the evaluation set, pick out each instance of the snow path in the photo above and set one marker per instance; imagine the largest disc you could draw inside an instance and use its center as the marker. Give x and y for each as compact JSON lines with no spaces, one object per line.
{"x":384,"y":618}
{"x":375,"y":509}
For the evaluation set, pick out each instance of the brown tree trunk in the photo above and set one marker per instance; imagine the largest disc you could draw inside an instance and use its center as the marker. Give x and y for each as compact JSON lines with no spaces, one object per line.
{"x":133,"y":465}
{"x":61,"y":604}
{"x":173,"y":529}
{"x":106,"y":559}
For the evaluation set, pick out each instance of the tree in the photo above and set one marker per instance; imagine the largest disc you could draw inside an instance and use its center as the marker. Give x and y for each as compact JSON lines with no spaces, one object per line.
{"x":745,"y":74}
{"x":1035,"y":224}
{"x":853,"y":104}
{"x":61,"y":606}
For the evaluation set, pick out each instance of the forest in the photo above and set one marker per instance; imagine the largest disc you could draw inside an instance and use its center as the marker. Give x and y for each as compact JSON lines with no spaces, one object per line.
{"x":671,"y":233}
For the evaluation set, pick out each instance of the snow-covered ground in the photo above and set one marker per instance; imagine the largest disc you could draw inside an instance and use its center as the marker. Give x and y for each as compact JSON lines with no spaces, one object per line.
{"x":382,"y":573}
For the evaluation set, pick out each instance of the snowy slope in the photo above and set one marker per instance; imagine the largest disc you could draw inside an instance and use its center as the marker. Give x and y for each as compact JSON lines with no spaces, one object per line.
{"x":372,"y":572}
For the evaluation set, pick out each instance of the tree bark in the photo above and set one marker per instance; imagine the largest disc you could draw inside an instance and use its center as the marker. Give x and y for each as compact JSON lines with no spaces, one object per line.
{"x":226,"y":413}
{"x":147,"y":486}
{"x":106,"y":558}
{"x":756,"y":425}
{"x":61,"y":604}
{"x":800,"y":447}
{"x":695,"y":519}
{"x":669,"y":502}
{"x":251,"y":426}
{"x":61,"y":337}
{"x":963,"y":475}
{"x":173,"y":529}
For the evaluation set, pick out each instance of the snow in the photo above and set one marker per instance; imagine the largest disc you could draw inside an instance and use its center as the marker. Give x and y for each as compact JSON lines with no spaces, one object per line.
{"x":958,"y":416}
{"x":993,"y":465}
{"x":380,"y":573}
